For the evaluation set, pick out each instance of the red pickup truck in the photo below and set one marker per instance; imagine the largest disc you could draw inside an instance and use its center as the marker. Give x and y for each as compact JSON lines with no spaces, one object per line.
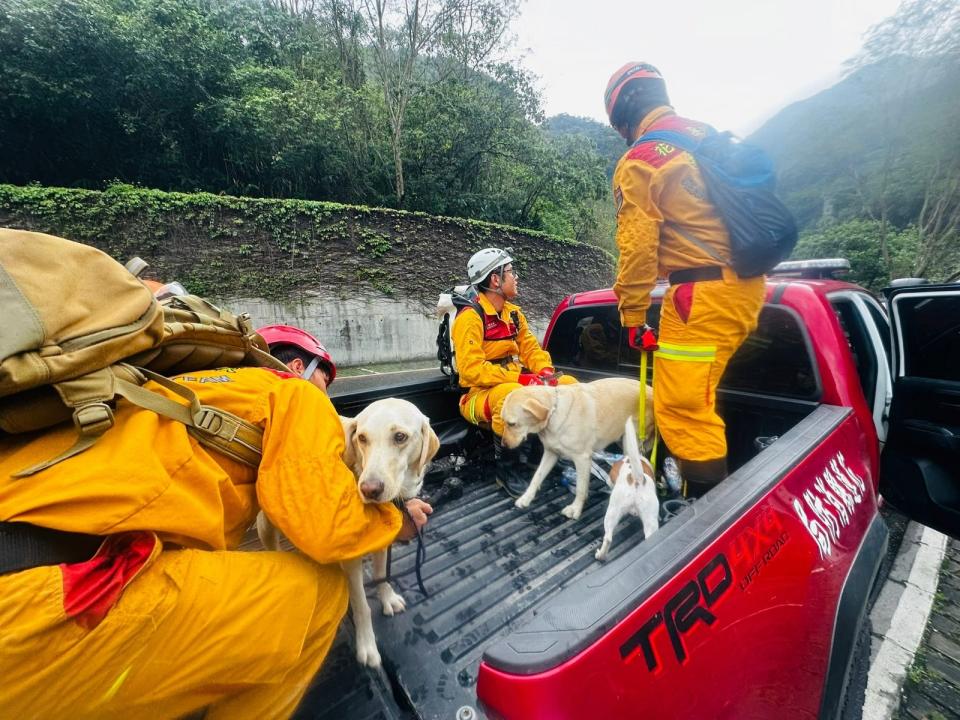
{"x":751,"y":603}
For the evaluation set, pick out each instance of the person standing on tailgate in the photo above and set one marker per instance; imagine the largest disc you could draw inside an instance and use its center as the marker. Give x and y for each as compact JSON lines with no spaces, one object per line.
{"x":667,"y":227}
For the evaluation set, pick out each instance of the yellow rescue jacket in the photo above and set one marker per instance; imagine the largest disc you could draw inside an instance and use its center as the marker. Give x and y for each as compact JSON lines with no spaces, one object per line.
{"x":664,"y":219}
{"x":146,"y":473}
{"x":480,"y":341}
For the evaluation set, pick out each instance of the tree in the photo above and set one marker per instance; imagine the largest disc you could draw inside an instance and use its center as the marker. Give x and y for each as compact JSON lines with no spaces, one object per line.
{"x":938,"y":226}
{"x":372,"y":102}
{"x":403,"y":40}
{"x":859,"y":242}
{"x":919,"y":28}
{"x":919,"y":43}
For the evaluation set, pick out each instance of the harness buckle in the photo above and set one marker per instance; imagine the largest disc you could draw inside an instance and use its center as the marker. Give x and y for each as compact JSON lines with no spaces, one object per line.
{"x":93,"y":419}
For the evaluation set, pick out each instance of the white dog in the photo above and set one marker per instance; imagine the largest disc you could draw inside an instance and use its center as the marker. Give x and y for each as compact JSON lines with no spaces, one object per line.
{"x":573,"y":421}
{"x":388,"y":447}
{"x":634,"y":491}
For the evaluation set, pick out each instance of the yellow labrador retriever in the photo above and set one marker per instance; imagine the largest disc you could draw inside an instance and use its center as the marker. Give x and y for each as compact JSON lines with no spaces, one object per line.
{"x":573,"y":421}
{"x":388,"y":447}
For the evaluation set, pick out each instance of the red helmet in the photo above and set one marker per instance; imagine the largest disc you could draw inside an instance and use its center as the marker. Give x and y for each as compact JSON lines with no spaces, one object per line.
{"x":289,"y":335}
{"x":630,"y":71}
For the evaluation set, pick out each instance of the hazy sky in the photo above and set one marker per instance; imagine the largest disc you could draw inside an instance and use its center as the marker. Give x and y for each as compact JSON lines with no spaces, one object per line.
{"x":730,"y":63}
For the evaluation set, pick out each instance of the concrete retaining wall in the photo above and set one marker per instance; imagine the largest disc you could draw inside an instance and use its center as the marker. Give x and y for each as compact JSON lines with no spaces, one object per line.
{"x":357,"y":331}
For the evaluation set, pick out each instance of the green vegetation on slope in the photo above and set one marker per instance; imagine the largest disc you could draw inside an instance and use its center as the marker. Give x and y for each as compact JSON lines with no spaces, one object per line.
{"x":272,"y":98}
{"x":224,"y":246}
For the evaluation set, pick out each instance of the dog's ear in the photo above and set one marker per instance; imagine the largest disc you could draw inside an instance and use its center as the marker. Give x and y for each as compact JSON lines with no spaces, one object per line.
{"x":536,"y":408}
{"x":430,"y":444}
{"x":349,"y":436}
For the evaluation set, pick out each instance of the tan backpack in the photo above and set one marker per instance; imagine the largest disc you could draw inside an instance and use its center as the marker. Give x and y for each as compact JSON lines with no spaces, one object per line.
{"x":78,"y":330}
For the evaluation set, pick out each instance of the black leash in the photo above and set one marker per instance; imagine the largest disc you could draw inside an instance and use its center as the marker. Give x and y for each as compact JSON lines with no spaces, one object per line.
{"x":421,"y":557}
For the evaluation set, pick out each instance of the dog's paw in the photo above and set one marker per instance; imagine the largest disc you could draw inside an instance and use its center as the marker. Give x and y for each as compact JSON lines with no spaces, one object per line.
{"x":367,"y":653}
{"x":392,"y":602}
{"x":601,"y":553}
{"x":523,"y":501}
{"x":572,"y":511}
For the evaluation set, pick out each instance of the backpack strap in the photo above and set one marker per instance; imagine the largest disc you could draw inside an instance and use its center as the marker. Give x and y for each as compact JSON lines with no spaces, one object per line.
{"x":217,"y":429}
{"x":87,"y":395}
{"x":686,"y":143}
{"x":689,"y":144}
{"x":212,"y":427}
{"x":694,"y":241}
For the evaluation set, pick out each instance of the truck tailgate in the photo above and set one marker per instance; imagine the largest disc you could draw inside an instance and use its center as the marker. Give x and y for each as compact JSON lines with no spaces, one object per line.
{"x":489,"y":569}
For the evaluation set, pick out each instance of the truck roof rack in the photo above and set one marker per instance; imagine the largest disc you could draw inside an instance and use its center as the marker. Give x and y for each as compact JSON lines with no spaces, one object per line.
{"x":816,"y":269}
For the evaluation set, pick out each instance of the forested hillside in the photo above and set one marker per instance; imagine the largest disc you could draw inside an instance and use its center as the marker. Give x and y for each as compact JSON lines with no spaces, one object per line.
{"x":421,"y":108}
{"x":332,"y":100}
{"x":291,"y":250}
{"x":871,"y":166}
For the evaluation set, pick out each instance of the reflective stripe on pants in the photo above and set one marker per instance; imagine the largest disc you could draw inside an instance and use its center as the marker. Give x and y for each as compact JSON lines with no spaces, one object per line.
{"x":691,"y":360}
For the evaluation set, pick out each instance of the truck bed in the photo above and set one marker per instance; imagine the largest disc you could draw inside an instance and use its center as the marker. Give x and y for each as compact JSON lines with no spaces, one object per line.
{"x":489,"y":568}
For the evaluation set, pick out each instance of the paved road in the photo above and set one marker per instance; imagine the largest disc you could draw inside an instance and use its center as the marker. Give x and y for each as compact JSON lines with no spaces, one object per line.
{"x":932,"y":688}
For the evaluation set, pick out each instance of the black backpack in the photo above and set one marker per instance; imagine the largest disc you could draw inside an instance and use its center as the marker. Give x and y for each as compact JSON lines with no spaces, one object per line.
{"x":740,"y":183}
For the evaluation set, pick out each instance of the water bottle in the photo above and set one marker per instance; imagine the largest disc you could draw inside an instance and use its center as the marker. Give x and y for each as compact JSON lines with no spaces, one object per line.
{"x":671,"y":474}
{"x":568,"y":477}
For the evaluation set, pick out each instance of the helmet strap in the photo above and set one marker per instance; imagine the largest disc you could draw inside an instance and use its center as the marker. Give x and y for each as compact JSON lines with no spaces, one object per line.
{"x":309,"y":370}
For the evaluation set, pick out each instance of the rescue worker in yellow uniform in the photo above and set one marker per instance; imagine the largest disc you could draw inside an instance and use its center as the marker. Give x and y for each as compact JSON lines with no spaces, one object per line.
{"x":121,"y":593}
{"x":496,"y":354}
{"x":668,"y":228}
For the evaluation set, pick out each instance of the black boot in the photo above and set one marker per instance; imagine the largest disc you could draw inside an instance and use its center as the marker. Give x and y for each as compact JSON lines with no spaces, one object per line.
{"x":509,"y":469}
{"x":701,"y":476}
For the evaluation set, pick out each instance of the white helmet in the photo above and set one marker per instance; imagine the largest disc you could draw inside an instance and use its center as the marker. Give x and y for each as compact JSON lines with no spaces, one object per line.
{"x":485,"y":262}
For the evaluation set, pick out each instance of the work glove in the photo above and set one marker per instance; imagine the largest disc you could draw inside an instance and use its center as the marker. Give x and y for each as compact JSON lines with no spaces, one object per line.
{"x":529,"y":379}
{"x":548,"y":376}
{"x":642,"y":338}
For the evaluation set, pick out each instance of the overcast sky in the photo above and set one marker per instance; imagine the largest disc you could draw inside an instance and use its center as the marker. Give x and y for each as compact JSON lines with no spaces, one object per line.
{"x":730,"y":63}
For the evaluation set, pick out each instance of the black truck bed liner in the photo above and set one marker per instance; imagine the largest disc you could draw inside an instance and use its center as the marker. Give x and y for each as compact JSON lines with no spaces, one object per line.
{"x":489,"y":568}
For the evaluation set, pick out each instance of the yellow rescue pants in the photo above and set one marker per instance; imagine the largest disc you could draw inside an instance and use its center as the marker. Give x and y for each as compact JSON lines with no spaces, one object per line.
{"x":240,"y":633}
{"x":483,"y":405}
{"x":701,"y":325}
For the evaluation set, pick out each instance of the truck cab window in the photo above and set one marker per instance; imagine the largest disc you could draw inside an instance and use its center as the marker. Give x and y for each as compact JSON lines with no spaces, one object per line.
{"x":930,"y":328}
{"x":586,"y":337}
{"x":774,"y":360}
{"x":883,"y":325}
{"x":858,"y":339}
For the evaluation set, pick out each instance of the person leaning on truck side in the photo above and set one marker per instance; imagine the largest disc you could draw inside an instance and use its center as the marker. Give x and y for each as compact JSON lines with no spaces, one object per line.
{"x":121,"y":594}
{"x":496,"y":354}
{"x":301,"y":352}
{"x":306,"y":356}
{"x":666,"y":227}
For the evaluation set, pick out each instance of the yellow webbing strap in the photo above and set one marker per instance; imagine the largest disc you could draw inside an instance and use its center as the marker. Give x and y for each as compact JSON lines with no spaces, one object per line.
{"x":642,"y":417}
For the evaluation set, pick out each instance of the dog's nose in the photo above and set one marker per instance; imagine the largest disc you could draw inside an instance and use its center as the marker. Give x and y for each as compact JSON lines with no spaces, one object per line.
{"x":371,"y":489}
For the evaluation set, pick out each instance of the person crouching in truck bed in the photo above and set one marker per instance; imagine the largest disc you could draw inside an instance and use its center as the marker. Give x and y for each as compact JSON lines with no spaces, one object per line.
{"x":121,"y":590}
{"x":496,"y":354}
{"x":307,"y":357}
